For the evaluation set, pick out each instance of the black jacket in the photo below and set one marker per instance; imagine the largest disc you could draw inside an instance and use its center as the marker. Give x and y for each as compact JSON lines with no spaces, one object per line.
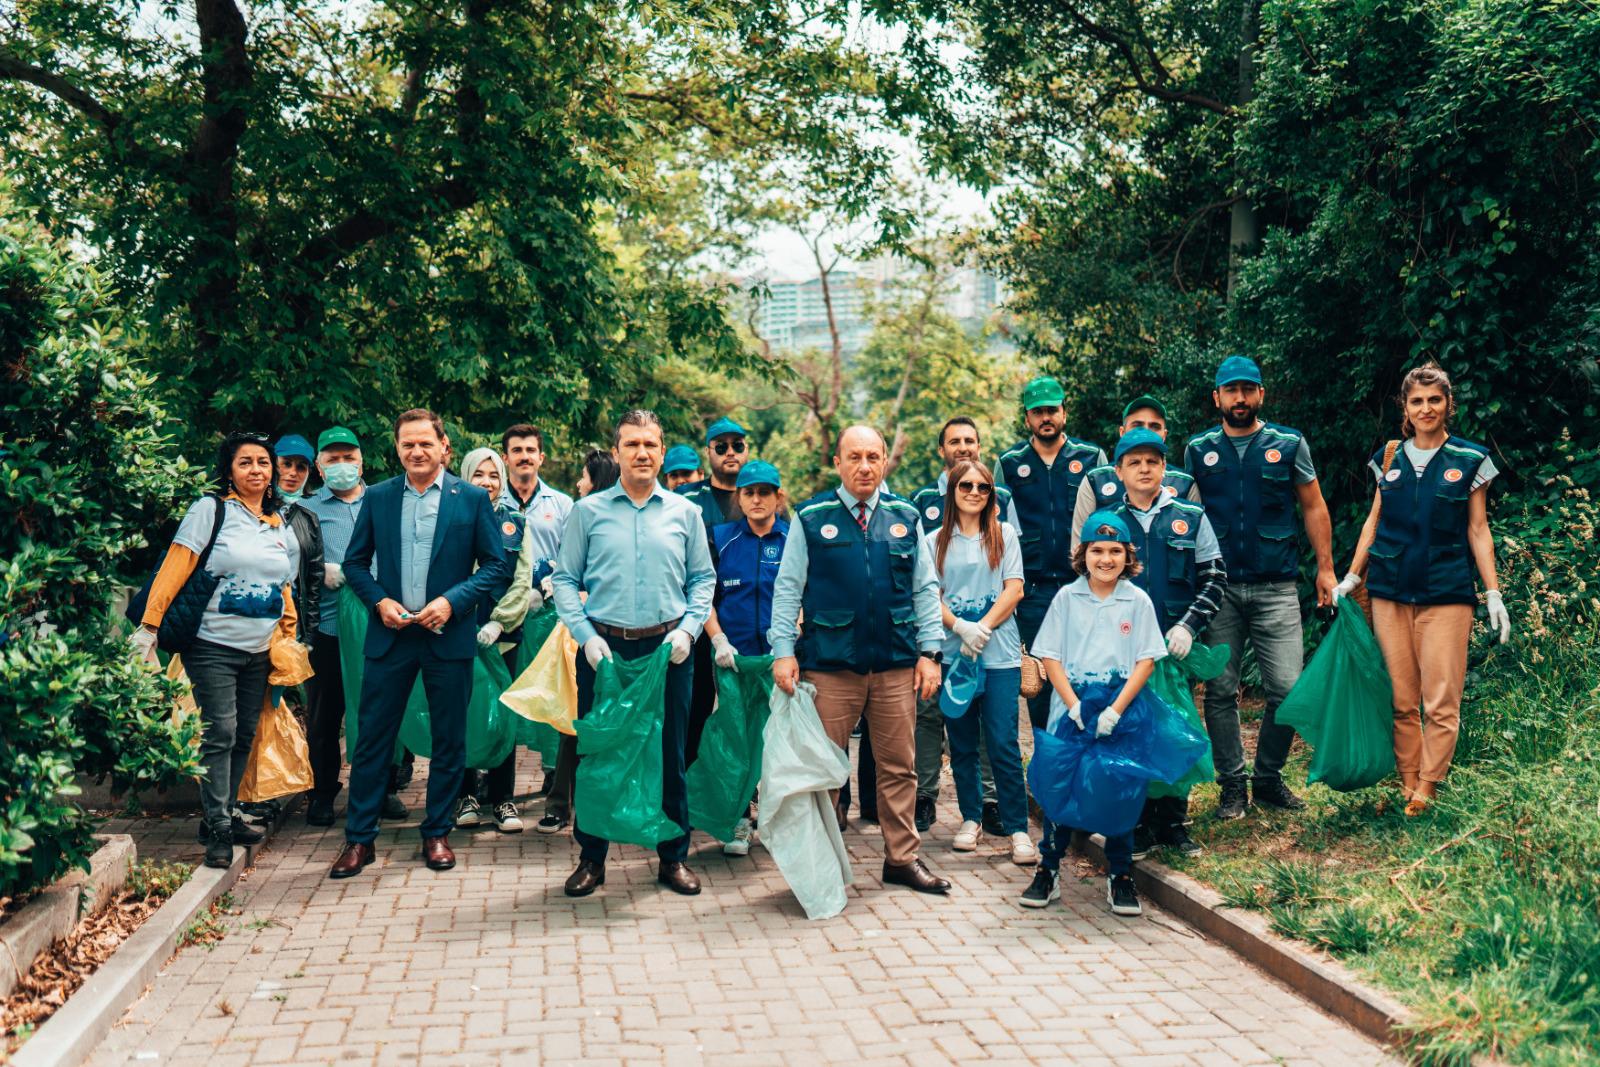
{"x":308,"y":583}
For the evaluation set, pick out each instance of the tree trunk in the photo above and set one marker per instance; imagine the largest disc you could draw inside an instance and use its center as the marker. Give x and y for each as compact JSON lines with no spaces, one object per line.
{"x":1244,"y":231}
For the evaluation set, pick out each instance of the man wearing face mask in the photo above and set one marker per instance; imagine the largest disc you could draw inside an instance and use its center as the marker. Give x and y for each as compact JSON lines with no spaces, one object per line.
{"x":294,"y":470}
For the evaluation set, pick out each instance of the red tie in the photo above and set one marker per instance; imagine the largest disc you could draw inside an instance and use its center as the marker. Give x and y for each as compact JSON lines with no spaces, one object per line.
{"x":861,"y":514}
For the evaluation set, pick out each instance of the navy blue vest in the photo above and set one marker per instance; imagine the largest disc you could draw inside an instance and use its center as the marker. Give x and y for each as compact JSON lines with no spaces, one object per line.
{"x":1045,"y":497}
{"x":859,"y":612}
{"x":1170,"y":575}
{"x":1250,"y":501}
{"x":1178,"y":482}
{"x":1420,"y":554}
{"x":508,"y":517}
{"x":747,"y":571}
{"x":710,"y":510}
{"x":929,"y":502}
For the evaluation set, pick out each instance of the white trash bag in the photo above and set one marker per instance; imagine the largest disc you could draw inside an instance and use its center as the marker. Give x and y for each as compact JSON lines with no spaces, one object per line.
{"x":799,"y":765}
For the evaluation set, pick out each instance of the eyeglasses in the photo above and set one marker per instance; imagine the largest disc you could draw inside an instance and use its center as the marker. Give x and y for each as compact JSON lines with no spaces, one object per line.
{"x":981,"y":488}
{"x":722,"y":448}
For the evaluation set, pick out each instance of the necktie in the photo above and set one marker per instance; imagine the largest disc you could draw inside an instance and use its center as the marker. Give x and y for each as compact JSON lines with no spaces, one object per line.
{"x":861,"y":514}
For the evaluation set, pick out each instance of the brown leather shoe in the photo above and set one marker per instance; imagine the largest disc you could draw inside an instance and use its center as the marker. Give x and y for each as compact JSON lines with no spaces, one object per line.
{"x":586,"y":879}
{"x":914,"y":875}
{"x":352,"y":858}
{"x":436,"y":853}
{"x":678,"y":878}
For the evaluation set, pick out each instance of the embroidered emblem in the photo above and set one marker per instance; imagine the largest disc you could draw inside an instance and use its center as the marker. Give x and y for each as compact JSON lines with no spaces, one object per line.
{"x":932,"y":512}
{"x":898,"y":529}
{"x":1393,"y":475}
{"x":1024,"y":470}
{"x":1126,"y":628}
{"x":508,"y":527}
{"x":1109,"y":489}
{"x":1076,"y":466}
{"x":1170,"y":490}
{"x":1273,"y":455}
{"x":1180,"y":527}
{"x":1453,"y":474}
{"x":1211,"y":459}
{"x":829,"y":532}
{"x":770,"y":551}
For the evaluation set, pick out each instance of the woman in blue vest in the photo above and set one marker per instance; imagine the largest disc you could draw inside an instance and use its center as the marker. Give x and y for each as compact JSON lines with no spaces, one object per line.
{"x":746,"y":553}
{"x":1428,"y":529}
{"x":979,"y":562}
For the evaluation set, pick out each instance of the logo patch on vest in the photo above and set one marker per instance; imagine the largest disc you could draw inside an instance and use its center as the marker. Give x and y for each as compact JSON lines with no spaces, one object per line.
{"x":1169,"y":490}
{"x":1024,"y":470}
{"x":1453,"y":474}
{"x":1076,"y":466}
{"x":1273,"y":455}
{"x":1125,"y":628}
{"x":1211,"y":459}
{"x":932,"y":512}
{"x":1180,"y":527}
{"x":508,"y":527}
{"x":770,"y":551}
{"x":1393,"y":475}
{"x":829,"y":532}
{"x":1109,"y":489}
{"x":898,"y":529}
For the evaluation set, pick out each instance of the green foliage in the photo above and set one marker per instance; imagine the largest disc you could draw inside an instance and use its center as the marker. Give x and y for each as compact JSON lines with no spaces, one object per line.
{"x":154,"y":878}
{"x":83,"y":476}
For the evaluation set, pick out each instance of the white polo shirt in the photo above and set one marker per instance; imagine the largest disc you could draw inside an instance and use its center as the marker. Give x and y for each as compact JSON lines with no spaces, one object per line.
{"x":1099,"y":640}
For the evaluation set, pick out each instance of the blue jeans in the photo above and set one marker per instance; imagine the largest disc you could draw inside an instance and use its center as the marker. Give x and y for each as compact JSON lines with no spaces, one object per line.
{"x":1267,"y":614}
{"x":996,"y":711}
{"x":1119,"y":848}
{"x":674,"y":734}
{"x":229,"y":686}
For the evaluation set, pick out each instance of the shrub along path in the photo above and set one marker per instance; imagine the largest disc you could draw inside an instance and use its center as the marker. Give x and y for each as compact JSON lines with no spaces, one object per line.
{"x":491,"y":963}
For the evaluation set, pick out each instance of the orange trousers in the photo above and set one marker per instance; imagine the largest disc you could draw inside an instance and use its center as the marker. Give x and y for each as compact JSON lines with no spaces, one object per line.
{"x":1425,"y":649}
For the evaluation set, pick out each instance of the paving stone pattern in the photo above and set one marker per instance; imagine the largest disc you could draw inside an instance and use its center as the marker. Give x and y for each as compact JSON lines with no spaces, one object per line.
{"x":490,"y":963}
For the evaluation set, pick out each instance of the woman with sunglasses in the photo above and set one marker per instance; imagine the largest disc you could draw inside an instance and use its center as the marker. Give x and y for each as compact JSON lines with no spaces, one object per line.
{"x":255,"y":558}
{"x":979,"y":562}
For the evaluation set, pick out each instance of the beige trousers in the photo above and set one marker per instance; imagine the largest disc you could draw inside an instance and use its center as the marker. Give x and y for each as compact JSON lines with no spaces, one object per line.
{"x":1425,"y":649}
{"x":888,"y":699}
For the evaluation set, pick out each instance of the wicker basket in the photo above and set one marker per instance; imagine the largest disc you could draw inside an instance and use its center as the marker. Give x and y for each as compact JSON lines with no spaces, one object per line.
{"x":1032,"y":676}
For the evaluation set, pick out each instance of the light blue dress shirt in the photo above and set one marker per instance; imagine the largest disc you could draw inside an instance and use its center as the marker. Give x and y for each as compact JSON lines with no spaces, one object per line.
{"x":419,"y":515}
{"x":789,"y":593}
{"x":544,"y":516}
{"x":338,"y":519}
{"x":641,"y":564}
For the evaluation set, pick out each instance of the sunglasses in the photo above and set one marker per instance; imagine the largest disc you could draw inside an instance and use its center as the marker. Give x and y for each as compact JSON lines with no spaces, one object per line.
{"x":735,"y":446}
{"x":981,"y":488}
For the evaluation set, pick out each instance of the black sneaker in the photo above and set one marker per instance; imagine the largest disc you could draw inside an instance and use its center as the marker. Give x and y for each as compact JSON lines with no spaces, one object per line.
{"x":991,"y":819}
{"x":1235,"y":798}
{"x":1122,"y":896}
{"x":1144,"y":841}
{"x":1274,"y":794}
{"x":926,"y":812}
{"x":1044,"y":888}
{"x":1176,"y":837}
{"x":553,"y":822}
{"x":393,"y":809}
{"x":262,"y":811}
{"x":319,"y":811}
{"x":219,"y":851}
{"x":245,"y":834}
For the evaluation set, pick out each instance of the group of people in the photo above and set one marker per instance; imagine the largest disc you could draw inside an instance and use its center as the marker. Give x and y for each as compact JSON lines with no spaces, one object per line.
{"x":1090,"y":567}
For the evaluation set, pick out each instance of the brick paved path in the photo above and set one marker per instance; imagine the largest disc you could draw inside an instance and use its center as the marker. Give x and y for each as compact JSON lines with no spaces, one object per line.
{"x":491,"y":963}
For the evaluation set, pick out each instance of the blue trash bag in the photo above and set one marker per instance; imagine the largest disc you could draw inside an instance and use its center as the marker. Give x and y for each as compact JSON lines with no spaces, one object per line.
{"x":1099,"y":784}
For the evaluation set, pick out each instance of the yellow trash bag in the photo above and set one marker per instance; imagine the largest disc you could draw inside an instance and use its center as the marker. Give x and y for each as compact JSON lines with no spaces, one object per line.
{"x":547,"y":691}
{"x":185,"y":706}
{"x":280,"y":759}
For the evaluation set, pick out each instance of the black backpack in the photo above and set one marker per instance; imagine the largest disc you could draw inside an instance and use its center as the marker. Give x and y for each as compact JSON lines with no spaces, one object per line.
{"x":182,"y":621}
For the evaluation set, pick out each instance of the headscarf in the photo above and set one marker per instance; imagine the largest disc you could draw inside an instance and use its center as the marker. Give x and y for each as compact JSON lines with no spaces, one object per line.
{"x":476,"y":457}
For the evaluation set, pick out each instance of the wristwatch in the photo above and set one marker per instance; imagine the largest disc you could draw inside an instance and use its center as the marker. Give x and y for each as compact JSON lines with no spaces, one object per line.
{"x":936,"y":657}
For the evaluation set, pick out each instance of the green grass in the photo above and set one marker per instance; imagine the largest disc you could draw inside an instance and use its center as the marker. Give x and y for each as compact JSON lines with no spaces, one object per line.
{"x":1484,"y":914}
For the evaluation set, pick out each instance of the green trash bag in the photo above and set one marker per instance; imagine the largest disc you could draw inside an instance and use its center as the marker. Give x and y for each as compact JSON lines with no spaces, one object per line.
{"x":724,"y":776}
{"x":618,"y":787}
{"x":1173,"y":681}
{"x":491,"y":727}
{"x":1343,"y":705}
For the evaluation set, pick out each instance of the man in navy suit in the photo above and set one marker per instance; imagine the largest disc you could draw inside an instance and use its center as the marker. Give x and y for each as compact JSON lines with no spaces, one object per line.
{"x":428,"y":530}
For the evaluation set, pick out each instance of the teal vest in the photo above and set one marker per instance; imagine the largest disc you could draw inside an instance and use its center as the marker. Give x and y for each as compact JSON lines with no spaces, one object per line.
{"x":929,"y":503}
{"x":858,"y":609}
{"x":1251,"y":501}
{"x":1420,"y":553}
{"x":704,"y":499}
{"x":1045,"y":497}
{"x":1170,"y":575}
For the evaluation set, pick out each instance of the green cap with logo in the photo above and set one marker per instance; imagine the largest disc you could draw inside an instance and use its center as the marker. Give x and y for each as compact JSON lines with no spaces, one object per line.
{"x":337,"y":435}
{"x":1044,"y":392}
{"x":1145,"y":401}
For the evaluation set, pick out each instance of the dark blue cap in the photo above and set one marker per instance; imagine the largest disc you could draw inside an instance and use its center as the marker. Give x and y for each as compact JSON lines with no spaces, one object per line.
{"x":292,"y":444}
{"x":1138,"y":437}
{"x":1105,"y":526}
{"x":681,"y":458}
{"x":722,"y":427}
{"x":758,"y":472}
{"x":1238,"y":369}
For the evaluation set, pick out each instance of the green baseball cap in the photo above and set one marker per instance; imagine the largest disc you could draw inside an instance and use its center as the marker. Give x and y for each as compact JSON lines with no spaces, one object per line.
{"x":1145,"y":401}
{"x":337,"y":435}
{"x":1043,"y":392}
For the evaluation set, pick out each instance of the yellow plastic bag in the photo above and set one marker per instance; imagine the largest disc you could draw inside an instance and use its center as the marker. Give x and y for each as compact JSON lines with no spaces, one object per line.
{"x":547,"y":691}
{"x":280,"y":759}
{"x":185,"y":706}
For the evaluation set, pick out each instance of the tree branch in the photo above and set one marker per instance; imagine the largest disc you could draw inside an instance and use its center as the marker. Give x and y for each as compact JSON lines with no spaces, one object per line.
{"x":14,"y":69}
{"x":1154,"y":83}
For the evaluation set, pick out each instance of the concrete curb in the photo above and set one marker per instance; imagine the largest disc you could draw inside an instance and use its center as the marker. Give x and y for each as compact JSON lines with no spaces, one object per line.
{"x":71,"y":1034}
{"x":58,"y":907}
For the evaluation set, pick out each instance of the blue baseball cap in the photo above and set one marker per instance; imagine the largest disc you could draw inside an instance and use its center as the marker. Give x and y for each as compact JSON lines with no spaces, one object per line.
{"x":1106,"y":526}
{"x":722,"y":427}
{"x":1138,"y":437}
{"x":292,"y":444}
{"x":681,"y":458}
{"x":1238,"y":369}
{"x":758,"y":472}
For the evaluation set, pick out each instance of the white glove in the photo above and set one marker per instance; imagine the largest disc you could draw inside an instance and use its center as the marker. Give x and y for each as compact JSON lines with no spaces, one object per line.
{"x":144,"y":644}
{"x":1499,"y":618}
{"x":547,"y":588}
{"x":489,"y":633}
{"x":681,"y":644}
{"x":1108,"y":722}
{"x":724,"y":652}
{"x":974,"y":635}
{"x":332,"y":575}
{"x":1075,"y":713}
{"x":595,"y":649}
{"x":1179,"y":641}
{"x":535,"y":602}
{"x":1351,"y":583}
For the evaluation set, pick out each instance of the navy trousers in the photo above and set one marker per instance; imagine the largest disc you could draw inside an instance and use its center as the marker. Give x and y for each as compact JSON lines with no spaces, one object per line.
{"x":386,"y":686}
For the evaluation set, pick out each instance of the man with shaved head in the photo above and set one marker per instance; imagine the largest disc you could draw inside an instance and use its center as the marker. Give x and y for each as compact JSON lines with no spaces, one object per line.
{"x":872,"y":631}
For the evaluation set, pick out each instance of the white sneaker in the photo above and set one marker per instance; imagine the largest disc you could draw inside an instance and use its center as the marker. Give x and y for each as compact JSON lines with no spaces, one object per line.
{"x":468,"y":813}
{"x":506,"y":819}
{"x":967,"y":837}
{"x":1024,"y":853}
{"x":740,"y":845}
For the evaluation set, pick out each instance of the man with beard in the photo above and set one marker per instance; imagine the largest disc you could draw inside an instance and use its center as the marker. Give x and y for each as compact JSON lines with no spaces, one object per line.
{"x":1044,"y":473}
{"x":1251,"y":474}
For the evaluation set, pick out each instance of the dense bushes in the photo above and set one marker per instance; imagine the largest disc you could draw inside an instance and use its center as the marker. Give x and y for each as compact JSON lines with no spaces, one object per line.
{"x":84,"y":476}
